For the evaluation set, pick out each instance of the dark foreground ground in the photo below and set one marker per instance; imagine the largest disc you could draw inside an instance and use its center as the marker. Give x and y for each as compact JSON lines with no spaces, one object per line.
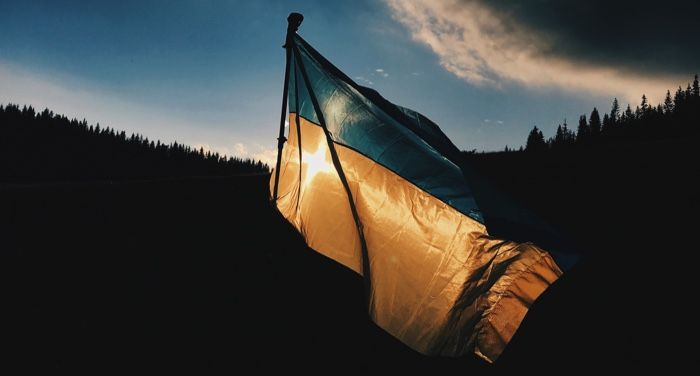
{"x":172,"y":275}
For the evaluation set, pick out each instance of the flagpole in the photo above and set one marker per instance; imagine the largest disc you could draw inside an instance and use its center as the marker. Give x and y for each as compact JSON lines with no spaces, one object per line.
{"x":293,"y":22}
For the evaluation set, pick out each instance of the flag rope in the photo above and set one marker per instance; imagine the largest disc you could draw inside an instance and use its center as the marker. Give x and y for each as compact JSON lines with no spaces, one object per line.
{"x":339,"y":170}
{"x":296,"y":121}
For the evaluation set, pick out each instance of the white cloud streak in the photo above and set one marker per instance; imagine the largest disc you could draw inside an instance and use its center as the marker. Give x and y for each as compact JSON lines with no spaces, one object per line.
{"x":74,"y":98}
{"x":486,"y":49}
{"x":363,"y":80}
{"x":258,"y":152}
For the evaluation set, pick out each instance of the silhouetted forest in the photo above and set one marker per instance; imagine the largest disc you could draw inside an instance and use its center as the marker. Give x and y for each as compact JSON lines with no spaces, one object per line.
{"x":173,"y":273}
{"x":677,"y":117}
{"x":621,"y":186}
{"x":47,"y":146}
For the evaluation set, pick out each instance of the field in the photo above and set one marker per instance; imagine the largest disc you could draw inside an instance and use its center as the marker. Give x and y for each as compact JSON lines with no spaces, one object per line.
{"x":202,"y":273}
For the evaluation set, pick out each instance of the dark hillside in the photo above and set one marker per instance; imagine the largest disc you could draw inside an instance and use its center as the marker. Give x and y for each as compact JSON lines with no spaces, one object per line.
{"x":631,"y":208}
{"x":200,"y":273}
{"x":48,"y":147}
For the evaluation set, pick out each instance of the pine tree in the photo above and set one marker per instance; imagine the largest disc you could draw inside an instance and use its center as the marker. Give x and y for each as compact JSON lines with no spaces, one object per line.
{"x":696,"y":87}
{"x":678,"y":99}
{"x":594,"y":123}
{"x":584,"y":131}
{"x":614,"y":112}
{"x":535,"y":141}
{"x":629,"y":114}
{"x":607,"y":124}
{"x":668,"y":103}
{"x":559,"y":140}
{"x":569,"y":136}
{"x":644,"y":106}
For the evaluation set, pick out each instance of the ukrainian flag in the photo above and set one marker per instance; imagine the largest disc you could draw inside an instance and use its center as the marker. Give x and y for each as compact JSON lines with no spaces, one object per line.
{"x":373,"y":186}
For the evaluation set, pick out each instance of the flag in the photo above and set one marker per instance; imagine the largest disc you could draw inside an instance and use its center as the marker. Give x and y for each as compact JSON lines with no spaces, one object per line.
{"x":375,"y":187}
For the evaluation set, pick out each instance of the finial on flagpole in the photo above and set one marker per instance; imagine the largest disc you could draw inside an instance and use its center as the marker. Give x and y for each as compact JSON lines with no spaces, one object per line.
{"x":294,"y":21}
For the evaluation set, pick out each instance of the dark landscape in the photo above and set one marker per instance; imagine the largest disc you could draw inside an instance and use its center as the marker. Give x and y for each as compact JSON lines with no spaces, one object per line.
{"x":118,"y":253}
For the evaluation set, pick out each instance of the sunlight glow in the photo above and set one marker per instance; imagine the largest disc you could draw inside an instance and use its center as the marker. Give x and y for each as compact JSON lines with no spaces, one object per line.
{"x":316,"y":162}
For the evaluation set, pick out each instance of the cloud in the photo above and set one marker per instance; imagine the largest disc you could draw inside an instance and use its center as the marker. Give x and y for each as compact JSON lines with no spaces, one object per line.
{"x":255,"y":151}
{"x":490,"y":121}
{"x":499,"y":43}
{"x":240,"y":149}
{"x":646,"y":36}
{"x":74,"y":98}
{"x":258,"y":152}
{"x":78,"y":99}
{"x":264,"y":154}
{"x":363,"y":80}
{"x":368,"y":81}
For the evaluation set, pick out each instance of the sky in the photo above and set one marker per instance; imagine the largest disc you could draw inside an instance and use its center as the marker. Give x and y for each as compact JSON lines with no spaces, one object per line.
{"x":210,"y":73}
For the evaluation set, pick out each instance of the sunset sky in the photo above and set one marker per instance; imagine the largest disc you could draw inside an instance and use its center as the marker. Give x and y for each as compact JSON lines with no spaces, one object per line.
{"x":209,"y":73}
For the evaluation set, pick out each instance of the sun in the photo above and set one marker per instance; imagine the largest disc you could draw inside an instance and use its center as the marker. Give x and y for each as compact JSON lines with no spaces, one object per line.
{"x":316,"y":162}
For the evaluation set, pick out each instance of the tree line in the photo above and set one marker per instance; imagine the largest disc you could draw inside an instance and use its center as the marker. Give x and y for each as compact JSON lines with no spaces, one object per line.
{"x":46,"y":146}
{"x":677,"y":116}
